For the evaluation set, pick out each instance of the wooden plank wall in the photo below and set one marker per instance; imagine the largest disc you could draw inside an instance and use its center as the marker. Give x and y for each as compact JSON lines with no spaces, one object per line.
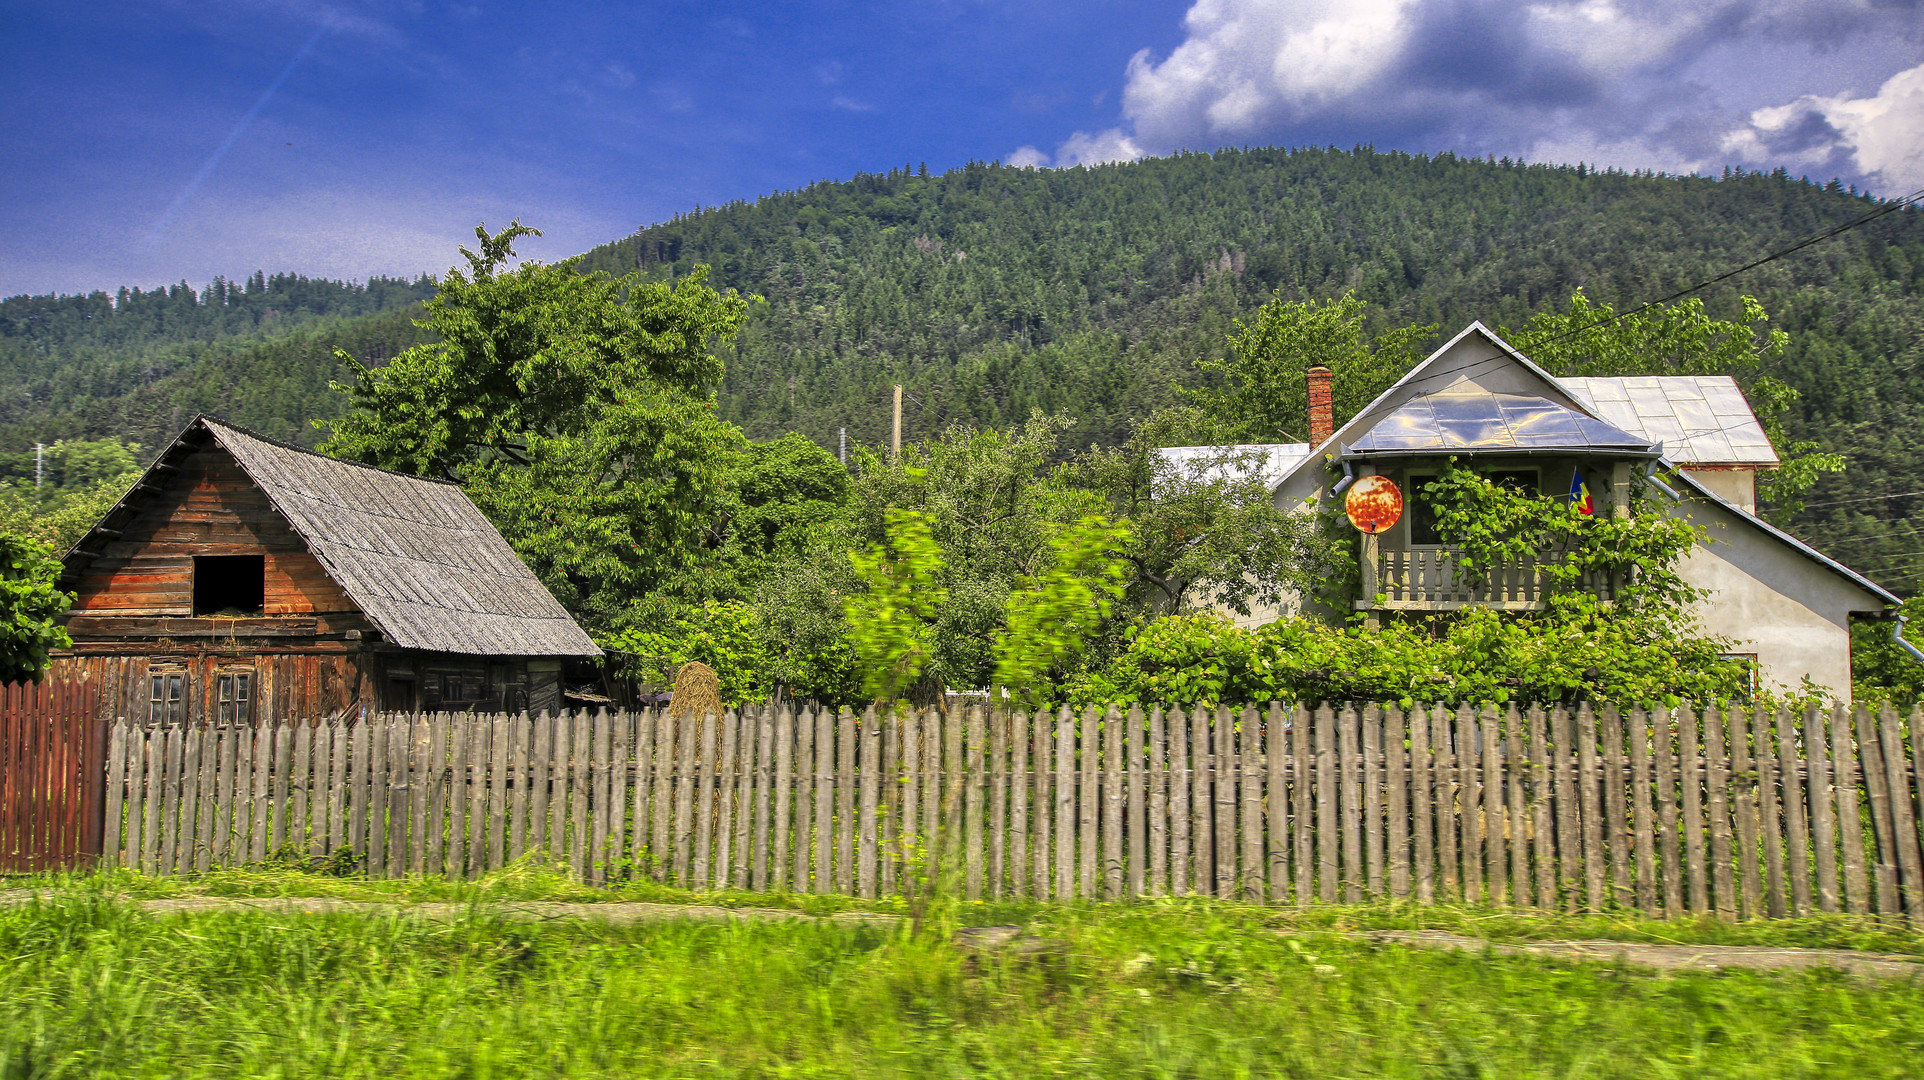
{"x":51,"y":779}
{"x":1731,"y":814}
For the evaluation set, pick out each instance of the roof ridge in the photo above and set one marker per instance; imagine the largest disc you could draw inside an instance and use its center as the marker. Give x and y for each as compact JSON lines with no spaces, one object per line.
{"x":204,"y":418}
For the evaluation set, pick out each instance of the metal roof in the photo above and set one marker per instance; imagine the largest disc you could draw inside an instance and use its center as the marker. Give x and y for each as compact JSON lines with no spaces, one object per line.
{"x":1699,"y":419}
{"x":414,"y":554}
{"x":1268,"y":462}
{"x":1466,"y":418}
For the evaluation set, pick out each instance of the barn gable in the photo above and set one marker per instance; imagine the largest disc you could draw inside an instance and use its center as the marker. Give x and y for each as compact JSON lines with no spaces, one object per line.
{"x":412,"y":556}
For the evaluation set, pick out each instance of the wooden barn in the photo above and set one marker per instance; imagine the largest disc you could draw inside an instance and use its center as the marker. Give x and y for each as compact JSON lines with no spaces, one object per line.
{"x":246,"y":579}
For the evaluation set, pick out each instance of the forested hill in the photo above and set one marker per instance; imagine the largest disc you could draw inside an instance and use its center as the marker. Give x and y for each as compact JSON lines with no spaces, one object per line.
{"x":992,"y":290}
{"x":139,"y":364}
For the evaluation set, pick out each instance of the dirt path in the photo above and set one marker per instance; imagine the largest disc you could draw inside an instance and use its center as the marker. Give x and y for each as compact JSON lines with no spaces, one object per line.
{"x":1670,"y":957}
{"x":1636,"y":954}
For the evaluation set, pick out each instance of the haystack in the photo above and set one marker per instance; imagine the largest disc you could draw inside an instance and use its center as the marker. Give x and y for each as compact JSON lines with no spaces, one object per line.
{"x":697,"y":692}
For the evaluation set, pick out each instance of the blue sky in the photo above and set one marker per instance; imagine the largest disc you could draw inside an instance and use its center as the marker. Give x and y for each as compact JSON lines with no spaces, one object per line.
{"x":166,"y":139}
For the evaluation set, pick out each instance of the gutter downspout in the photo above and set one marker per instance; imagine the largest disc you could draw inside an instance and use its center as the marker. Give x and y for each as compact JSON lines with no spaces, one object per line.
{"x":1897,"y":637}
{"x":1349,"y":470}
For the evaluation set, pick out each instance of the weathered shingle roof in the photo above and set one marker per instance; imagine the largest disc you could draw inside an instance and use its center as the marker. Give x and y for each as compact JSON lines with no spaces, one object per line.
{"x":414,"y":554}
{"x":1699,"y":419}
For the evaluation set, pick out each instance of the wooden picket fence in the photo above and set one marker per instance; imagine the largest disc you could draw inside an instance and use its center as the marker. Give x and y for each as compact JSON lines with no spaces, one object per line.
{"x":1739,"y":814}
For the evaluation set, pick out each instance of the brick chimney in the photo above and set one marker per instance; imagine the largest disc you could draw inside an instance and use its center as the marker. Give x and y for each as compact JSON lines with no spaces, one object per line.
{"x":1322,"y":414}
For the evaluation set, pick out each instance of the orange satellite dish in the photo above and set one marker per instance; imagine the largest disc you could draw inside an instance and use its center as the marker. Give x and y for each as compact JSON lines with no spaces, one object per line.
{"x":1374,"y":503}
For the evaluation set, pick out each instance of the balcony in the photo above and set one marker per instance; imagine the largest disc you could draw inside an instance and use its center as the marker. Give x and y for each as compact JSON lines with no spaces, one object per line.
{"x":1430,"y":580}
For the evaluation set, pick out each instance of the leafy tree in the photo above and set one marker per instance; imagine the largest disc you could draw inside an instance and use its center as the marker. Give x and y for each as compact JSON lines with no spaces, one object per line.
{"x":892,"y":620}
{"x":1683,"y":339}
{"x":1263,"y":393}
{"x":30,"y":602}
{"x":1203,"y":530}
{"x":82,"y":481}
{"x":1049,"y":616}
{"x":576,"y":409}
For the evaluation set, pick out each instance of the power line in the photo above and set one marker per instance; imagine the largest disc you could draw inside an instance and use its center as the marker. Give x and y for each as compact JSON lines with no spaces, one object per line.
{"x":1864,"y":499}
{"x":1772,"y":257}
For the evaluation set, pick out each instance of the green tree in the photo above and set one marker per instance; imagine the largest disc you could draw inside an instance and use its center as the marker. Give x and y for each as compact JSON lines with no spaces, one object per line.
{"x":1049,"y":616}
{"x":578,"y":410}
{"x":1262,"y":392}
{"x":30,"y":602}
{"x":1204,"y":529}
{"x":1683,"y":339}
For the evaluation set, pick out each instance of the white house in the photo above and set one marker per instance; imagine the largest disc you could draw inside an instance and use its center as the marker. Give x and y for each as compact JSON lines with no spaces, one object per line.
{"x":1477,"y":399}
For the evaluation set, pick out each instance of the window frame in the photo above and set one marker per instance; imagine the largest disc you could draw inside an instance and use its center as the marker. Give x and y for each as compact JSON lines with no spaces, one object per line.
{"x":167,"y":697}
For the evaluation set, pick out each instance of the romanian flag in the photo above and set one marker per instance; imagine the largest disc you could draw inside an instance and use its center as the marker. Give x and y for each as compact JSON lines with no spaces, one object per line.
{"x":1580,"y":495}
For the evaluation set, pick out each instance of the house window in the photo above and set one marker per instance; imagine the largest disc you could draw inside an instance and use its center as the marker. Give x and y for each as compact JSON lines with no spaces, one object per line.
{"x":229,"y":584}
{"x":1747,"y":687}
{"x":167,"y":698}
{"x":236,"y":693}
{"x":463,"y":686}
{"x":1423,"y":529}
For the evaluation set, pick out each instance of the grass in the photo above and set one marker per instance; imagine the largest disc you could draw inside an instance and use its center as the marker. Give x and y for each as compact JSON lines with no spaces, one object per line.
{"x":92,"y":987}
{"x":531,"y":880}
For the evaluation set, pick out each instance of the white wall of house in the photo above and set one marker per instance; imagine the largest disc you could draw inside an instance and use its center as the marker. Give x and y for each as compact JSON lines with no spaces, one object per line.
{"x":1780,"y":605}
{"x":1732,"y":483}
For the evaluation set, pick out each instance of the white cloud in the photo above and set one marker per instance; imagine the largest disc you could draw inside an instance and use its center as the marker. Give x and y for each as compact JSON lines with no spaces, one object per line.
{"x":1882,"y":135}
{"x":1636,"y":83}
{"x":849,"y":104}
{"x":1028,"y":157}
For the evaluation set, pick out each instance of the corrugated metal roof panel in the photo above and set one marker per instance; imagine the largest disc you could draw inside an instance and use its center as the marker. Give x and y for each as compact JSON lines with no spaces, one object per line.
{"x":1699,"y":419}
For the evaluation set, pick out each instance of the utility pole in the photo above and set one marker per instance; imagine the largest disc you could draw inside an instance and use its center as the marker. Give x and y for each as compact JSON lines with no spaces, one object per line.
{"x":39,"y":461}
{"x":841,"y":449}
{"x":895,"y":440}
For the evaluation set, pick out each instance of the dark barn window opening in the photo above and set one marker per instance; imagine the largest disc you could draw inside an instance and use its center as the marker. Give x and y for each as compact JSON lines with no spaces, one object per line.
{"x":230,"y":584}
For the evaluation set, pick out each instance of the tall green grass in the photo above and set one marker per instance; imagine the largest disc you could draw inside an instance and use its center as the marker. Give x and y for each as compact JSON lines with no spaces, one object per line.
{"x":91,"y":987}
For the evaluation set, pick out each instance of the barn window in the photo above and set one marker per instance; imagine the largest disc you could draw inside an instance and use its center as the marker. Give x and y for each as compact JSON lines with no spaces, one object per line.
{"x":229,"y":584}
{"x":167,"y":700}
{"x":236,"y":693}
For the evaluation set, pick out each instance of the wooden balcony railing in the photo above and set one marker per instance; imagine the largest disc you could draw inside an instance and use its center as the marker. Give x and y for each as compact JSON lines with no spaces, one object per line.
{"x":1431,"y":580}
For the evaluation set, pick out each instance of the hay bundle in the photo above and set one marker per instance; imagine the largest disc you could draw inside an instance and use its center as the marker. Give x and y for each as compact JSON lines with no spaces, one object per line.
{"x":697,"y":692}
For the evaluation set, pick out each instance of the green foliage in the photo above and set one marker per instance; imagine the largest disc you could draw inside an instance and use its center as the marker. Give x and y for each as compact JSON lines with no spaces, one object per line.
{"x":1637,"y":553}
{"x":1577,"y":650}
{"x":82,"y":480}
{"x":1050,"y":615}
{"x":1882,"y":672}
{"x":1683,"y":339}
{"x":722,"y":635}
{"x":30,"y":602}
{"x":891,"y":621}
{"x":1205,"y":530}
{"x":576,"y":409}
{"x":1263,"y":394}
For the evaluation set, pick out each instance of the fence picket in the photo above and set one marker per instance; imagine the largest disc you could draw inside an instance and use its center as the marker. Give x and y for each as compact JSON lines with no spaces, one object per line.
{"x":871,"y":760}
{"x":780,"y":878}
{"x":1396,"y":800}
{"x":1042,"y":805}
{"x":1422,"y":779}
{"x":1822,"y":809}
{"x":1158,"y":779}
{"x":1276,"y":803}
{"x":972,"y":808}
{"x":1744,"y":787}
{"x":1249,"y":788}
{"x":725,"y":765}
{"x":845,"y":803}
{"x":664,"y":768}
{"x":1328,"y":831}
{"x":1717,"y":802}
{"x":1769,"y":823}
{"x":1179,"y":777}
{"x":1591,"y":808}
{"x":1138,"y":797}
{"x":1443,"y":765}
{"x":1112,"y":805}
{"x":1470,"y":802}
{"x":1065,"y":789}
{"x":369,"y":809}
{"x":1883,"y":863}
{"x":1202,"y":834}
{"x":1000,"y":722}
{"x":1796,"y":831}
{"x":1615,"y":812}
{"x":1850,"y":822}
{"x":1496,"y":824}
{"x":1349,"y":793}
{"x":1904,"y":839}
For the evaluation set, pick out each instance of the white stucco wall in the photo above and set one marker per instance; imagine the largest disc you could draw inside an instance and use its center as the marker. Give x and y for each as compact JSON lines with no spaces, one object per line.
{"x":1775,"y":601}
{"x":1734,"y":485}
